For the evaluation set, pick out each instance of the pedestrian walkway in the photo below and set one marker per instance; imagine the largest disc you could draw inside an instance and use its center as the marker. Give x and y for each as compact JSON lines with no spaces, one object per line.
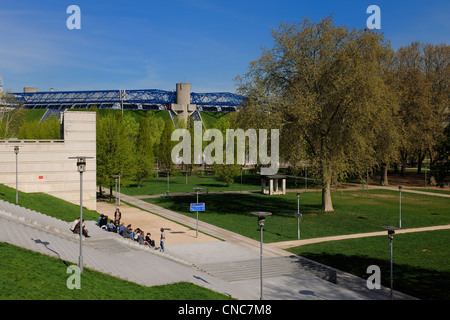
{"x":297,"y":243}
{"x":176,"y":232}
{"x":347,"y":187}
{"x":190,"y":193}
{"x":206,"y":228}
{"x":404,"y":189}
{"x":436,"y":194}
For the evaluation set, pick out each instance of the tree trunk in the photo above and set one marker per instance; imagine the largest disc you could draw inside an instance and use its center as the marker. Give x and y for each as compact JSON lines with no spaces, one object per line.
{"x":431,"y":177}
{"x":432,"y":181}
{"x":384,"y":175}
{"x":327,"y":204}
{"x":402,"y":172}
{"x":396,"y":167}
{"x":420,"y":157}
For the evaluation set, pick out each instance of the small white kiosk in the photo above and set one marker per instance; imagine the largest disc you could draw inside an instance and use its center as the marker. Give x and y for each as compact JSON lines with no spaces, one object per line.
{"x":274,"y":187}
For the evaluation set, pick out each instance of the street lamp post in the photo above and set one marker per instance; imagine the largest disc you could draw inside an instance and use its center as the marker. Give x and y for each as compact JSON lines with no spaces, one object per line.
{"x":16,"y":151}
{"x":391,"y":232}
{"x":367,"y":178}
{"x":116,"y":176}
{"x":306,"y":178}
{"x":168,"y":175}
{"x":241,"y":180}
{"x":298,"y":215}
{"x":81,"y":165}
{"x":400,"y":207}
{"x":119,"y":174}
{"x":261,"y":219}
{"x":196,"y":224}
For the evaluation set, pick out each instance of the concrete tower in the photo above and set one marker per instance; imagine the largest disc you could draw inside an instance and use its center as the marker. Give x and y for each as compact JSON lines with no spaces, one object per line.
{"x":183,"y":108}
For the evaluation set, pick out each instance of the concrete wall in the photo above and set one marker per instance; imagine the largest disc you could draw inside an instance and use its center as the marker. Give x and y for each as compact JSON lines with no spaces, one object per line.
{"x":44,"y":166}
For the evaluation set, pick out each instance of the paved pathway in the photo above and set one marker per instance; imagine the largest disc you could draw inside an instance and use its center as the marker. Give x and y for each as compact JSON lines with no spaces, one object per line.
{"x":191,"y":193}
{"x":204,"y":227}
{"x":436,"y":194}
{"x":404,"y":189}
{"x":176,"y":232}
{"x":296,"y":243}
{"x":347,"y":186}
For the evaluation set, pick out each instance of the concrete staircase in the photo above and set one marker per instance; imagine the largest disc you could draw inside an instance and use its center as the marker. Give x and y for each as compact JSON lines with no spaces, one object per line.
{"x":272,"y":267}
{"x":104,"y":251}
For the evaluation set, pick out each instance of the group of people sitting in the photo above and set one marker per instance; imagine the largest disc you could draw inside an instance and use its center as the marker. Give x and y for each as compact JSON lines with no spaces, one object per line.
{"x":75,"y":227}
{"x":127,"y":232}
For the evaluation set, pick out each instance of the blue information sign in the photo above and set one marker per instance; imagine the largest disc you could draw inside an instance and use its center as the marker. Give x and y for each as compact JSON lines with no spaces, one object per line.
{"x":197,"y":207}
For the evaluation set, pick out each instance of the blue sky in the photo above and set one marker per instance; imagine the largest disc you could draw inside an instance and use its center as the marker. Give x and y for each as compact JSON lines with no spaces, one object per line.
{"x":155,"y":44}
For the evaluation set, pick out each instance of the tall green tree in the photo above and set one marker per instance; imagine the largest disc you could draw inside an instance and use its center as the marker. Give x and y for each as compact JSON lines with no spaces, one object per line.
{"x":145,"y":158}
{"x":189,"y":167}
{"x":114,"y":150}
{"x":437,"y":71}
{"x":323,"y":86}
{"x":10,"y":120}
{"x":421,"y":73}
{"x":165,"y":146}
{"x":387,"y":132}
{"x":156,"y":128}
{"x":48,"y":129}
{"x":227,"y":172}
{"x":441,"y":166}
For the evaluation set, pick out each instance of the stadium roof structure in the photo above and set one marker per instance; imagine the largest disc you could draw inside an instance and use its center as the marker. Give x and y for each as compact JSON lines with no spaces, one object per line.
{"x":128,"y":99}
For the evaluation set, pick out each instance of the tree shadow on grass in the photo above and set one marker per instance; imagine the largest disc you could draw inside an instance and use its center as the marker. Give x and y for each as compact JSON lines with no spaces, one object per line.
{"x":211,"y":185}
{"x":417,"y":282}
{"x":239,"y":204}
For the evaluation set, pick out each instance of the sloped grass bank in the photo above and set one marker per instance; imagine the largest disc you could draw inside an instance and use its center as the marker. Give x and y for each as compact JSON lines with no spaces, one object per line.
{"x":27,"y":275}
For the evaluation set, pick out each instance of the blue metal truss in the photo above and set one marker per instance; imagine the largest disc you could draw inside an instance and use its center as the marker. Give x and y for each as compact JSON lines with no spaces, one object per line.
{"x":225,"y":99}
{"x":131,"y":99}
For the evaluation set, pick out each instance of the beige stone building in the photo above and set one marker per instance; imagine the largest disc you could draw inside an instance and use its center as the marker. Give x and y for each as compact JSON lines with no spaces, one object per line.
{"x":44,"y":165}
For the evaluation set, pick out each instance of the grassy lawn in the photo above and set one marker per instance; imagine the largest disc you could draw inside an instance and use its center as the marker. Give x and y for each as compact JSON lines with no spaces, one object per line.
{"x":27,"y":275}
{"x":421,"y":260}
{"x":47,"y":204}
{"x":177,"y":184}
{"x":355,"y":212}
